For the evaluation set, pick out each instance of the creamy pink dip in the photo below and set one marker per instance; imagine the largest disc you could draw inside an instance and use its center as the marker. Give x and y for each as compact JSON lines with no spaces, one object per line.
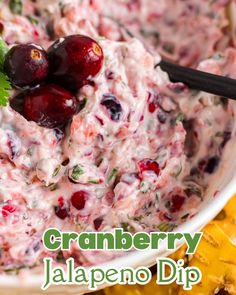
{"x":144,"y":166}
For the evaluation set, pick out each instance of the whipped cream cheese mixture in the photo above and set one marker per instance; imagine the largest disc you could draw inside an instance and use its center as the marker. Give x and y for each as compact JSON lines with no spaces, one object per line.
{"x":142,"y":150}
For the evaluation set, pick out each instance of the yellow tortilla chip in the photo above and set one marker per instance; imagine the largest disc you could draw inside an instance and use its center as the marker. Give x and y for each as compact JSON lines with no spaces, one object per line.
{"x":180,"y":254}
{"x":216,"y":258}
{"x":226,"y":219}
{"x":152,"y":288}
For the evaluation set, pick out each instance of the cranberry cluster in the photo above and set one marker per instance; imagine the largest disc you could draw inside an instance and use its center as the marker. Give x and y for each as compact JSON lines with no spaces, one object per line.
{"x":78,"y":201}
{"x":48,"y":80}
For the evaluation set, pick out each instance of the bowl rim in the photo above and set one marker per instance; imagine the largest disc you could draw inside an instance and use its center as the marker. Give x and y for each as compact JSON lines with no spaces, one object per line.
{"x":147,"y":257}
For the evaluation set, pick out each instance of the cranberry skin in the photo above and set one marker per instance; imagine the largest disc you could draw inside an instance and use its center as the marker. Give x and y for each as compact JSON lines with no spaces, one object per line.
{"x":148,"y":165}
{"x":50,"y":106}
{"x":97,"y":223}
{"x":62,"y":209}
{"x":74,"y":60}
{"x":26,"y":65}
{"x":78,"y":199}
{"x":17,"y":102}
{"x":8,"y":209}
{"x":61,"y":212}
{"x":176,"y":203}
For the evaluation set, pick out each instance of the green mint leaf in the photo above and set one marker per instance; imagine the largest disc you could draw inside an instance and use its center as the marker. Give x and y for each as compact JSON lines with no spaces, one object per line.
{"x":16,"y":6}
{"x":5,"y":88}
{"x":3,"y":51}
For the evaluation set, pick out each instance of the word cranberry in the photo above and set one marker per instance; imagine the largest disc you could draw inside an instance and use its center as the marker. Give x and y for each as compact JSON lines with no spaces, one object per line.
{"x":148,"y":165}
{"x":113,"y":106}
{"x":50,"y":106}
{"x":78,"y":199}
{"x":74,"y":59}
{"x":26,"y":65}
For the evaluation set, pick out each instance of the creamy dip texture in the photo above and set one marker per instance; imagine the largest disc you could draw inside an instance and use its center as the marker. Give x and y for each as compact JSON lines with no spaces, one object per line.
{"x":143,"y":164}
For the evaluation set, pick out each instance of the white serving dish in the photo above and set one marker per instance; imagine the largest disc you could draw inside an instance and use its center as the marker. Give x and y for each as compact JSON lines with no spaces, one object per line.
{"x":224,"y":181}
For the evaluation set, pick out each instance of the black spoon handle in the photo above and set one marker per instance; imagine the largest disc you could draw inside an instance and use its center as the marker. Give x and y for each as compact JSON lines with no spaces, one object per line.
{"x":214,"y":84}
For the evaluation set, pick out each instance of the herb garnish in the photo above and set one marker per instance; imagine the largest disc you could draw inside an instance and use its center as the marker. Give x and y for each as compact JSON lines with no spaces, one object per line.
{"x":112,"y":174}
{"x":76,"y":172}
{"x":5,"y":88}
{"x":3,"y":51}
{"x":5,"y":85}
{"x":16,"y":6}
{"x":166,"y":227}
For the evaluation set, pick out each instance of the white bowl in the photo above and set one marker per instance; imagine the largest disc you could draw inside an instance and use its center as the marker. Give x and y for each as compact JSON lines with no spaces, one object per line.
{"x":224,"y":181}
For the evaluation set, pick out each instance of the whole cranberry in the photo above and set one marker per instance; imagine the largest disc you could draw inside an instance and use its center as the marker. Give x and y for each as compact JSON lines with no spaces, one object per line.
{"x":26,"y":65}
{"x":74,"y":59}
{"x":17,"y":102}
{"x":50,"y":106}
{"x":78,"y":199}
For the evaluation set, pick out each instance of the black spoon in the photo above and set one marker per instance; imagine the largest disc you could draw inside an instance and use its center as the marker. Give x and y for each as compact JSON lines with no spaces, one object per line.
{"x":194,"y":79}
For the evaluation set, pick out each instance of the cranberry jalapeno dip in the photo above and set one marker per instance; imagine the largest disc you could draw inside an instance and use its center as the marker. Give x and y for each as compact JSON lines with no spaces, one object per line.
{"x":107,"y":140}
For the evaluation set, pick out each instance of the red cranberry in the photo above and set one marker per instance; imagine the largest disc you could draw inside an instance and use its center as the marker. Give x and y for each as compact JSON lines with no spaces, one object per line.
{"x":148,"y":165}
{"x":50,"y":106}
{"x":152,"y":107}
{"x":78,"y":199}
{"x":152,"y":102}
{"x":176,"y":203}
{"x":17,"y":102}
{"x":61,"y":212}
{"x":7,"y":209}
{"x":61,"y":201}
{"x":98,"y":222}
{"x":62,"y":209}
{"x":1,"y":28}
{"x":74,"y":59}
{"x":26,"y":65}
